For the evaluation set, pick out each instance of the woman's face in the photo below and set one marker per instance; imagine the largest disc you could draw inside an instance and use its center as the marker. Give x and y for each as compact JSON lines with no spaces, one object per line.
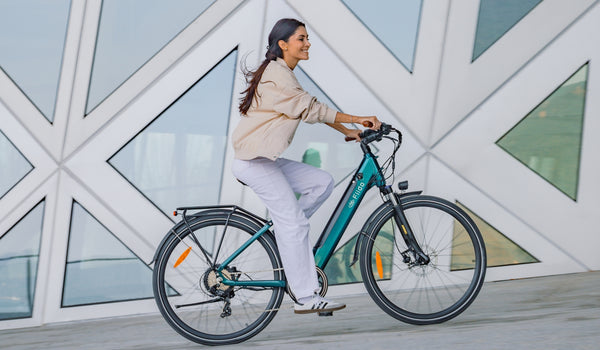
{"x":297,"y":46}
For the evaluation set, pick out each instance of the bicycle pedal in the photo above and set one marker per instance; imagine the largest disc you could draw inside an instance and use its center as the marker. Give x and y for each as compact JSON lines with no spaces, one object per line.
{"x":329,"y":313}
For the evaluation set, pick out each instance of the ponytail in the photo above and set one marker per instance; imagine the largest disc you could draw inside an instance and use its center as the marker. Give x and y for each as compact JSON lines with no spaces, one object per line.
{"x":282,"y":30}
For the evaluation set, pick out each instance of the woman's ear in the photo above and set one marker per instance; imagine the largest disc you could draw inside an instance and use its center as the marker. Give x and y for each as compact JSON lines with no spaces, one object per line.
{"x":282,"y":45}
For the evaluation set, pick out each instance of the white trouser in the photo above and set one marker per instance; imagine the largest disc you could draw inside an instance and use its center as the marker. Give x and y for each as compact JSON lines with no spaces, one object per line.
{"x":275,"y":183}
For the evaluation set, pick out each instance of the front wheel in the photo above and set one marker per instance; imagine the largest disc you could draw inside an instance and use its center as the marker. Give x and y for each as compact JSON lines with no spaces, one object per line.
{"x":423,"y":292}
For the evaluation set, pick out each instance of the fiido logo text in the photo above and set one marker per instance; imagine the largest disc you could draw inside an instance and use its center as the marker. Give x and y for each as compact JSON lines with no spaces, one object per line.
{"x":357,"y":191}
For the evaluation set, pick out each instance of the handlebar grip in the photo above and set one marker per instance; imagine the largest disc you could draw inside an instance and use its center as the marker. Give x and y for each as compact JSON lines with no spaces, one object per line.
{"x":366,"y":124}
{"x":366,"y":133}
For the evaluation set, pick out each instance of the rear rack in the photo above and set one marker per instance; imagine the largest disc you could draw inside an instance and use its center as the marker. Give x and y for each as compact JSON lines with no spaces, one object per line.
{"x":231,"y":207}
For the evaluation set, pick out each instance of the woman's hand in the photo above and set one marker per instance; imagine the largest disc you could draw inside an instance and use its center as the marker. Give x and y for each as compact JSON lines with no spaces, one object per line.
{"x":352,"y":134}
{"x":370,"y":122}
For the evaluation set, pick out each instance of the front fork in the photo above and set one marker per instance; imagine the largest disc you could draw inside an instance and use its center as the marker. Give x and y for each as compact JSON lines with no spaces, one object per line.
{"x":420,"y":258}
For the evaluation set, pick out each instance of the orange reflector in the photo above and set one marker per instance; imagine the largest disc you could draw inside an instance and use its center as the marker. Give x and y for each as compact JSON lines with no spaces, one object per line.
{"x":175,"y":213}
{"x":379,"y":264}
{"x":182,"y":257}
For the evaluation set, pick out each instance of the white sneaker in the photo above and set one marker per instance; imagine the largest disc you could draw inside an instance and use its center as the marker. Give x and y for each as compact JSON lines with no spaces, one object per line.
{"x":317,"y":304}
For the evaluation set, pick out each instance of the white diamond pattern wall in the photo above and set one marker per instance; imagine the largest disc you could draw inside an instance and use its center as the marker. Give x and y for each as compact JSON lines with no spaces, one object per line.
{"x":451,"y":108}
{"x":32,"y":42}
{"x":13,"y":166}
{"x":131,"y":32}
{"x":177,"y":160}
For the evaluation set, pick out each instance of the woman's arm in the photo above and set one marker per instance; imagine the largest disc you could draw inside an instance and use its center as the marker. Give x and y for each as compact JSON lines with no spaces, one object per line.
{"x":351,"y":134}
{"x":339,"y":127}
{"x":374,"y":123}
{"x":283,"y":94}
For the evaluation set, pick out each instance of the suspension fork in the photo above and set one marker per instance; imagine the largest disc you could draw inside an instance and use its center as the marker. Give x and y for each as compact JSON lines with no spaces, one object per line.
{"x":405,"y":230}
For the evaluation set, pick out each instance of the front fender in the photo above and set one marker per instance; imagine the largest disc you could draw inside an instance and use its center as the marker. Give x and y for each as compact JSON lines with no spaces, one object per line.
{"x":366,"y":227}
{"x":362,"y":234}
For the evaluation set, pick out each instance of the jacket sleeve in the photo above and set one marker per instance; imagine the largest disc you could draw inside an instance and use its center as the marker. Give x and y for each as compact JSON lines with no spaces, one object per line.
{"x":287,"y":97}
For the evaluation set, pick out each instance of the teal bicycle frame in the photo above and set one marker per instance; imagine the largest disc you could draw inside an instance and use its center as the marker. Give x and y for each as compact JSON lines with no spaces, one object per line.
{"x":368,"y":175}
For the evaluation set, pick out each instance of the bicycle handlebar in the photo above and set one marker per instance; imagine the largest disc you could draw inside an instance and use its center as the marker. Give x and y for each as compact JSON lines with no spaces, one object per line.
{"x":366,"y":124}
{"x":369,"y":135}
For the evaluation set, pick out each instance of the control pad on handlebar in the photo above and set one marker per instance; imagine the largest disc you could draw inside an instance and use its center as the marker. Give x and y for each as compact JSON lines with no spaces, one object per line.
{"x":370,"y":135}
{"x":367,"y":132}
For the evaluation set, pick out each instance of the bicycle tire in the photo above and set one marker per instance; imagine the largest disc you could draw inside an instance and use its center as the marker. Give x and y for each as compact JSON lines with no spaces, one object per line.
{"x":423,"y":294}
{"x":179,"y":290}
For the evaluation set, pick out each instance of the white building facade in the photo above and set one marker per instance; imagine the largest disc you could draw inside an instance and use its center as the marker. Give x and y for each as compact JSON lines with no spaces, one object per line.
{"x":113,"y":113}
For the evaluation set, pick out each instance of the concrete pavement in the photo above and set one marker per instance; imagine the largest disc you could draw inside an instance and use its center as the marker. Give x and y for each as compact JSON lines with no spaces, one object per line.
{"x":555,"y":312}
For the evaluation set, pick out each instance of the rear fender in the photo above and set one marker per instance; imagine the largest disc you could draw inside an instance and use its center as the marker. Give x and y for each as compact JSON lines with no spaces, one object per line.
{"x":181,"y":226}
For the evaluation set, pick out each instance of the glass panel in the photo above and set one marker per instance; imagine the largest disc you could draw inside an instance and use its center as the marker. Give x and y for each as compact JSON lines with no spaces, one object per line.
{"x":548,"y":139}
{"x":130,"y":33}
{"x":13,"y":165}
{"x":178,"y":159}
{"x":319,"y":145}
{"x":394,"y":22}
{"x":501,"y":251}
{"x":19,"y":255}
{"x":32,"y":38}
{"x":100,"y":268}
{"x":496,"y":18}
{"x":338,"y":270}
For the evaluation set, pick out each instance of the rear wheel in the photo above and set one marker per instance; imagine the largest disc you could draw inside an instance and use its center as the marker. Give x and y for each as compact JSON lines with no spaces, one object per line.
{"x":423,"y":292}
{"x":189,"y":294}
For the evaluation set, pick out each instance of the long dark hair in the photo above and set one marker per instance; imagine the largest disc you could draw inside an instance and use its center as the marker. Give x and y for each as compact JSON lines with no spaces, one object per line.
{"x":282,"y":30}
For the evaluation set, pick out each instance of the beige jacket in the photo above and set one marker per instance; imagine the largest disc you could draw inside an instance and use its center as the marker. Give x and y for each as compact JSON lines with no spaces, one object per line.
{"x":270,"y":124}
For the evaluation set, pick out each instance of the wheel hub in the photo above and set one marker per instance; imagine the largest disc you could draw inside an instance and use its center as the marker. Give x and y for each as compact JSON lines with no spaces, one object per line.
{"x":212,"y":282}
{"x":424,"y":269}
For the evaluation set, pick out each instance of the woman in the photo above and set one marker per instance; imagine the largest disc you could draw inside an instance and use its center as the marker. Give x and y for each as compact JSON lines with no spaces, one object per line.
{"x":273,"y":105}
